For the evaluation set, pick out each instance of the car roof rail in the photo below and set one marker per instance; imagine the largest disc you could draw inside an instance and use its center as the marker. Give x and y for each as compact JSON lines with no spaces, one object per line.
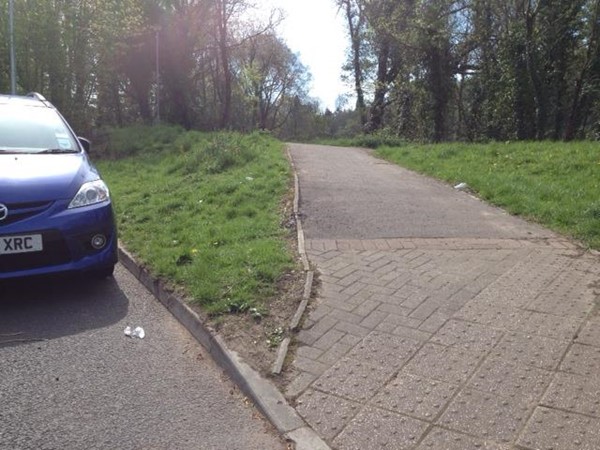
{"x":36,"y":95}
{"x":41,"y":98}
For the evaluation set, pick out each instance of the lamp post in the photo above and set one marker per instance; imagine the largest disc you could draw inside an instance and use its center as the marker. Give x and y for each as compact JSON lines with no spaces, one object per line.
{"x":157,"y":80}
{"x":13,"y":67}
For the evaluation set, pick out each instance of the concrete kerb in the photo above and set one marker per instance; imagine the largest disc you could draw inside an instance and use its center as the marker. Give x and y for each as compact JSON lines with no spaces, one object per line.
{"x":309,"y":275}
{"x":267,"y":398}
{"x":263,"y":393}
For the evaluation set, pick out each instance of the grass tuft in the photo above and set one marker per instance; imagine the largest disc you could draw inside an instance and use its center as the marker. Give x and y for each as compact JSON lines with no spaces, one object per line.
{"x":203,"y":210}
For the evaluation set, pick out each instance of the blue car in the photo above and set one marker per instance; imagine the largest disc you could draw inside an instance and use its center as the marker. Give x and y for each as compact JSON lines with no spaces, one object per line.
{"x":55,"y":211}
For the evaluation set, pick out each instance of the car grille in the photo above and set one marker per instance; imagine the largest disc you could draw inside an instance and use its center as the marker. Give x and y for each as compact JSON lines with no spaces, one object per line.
{"x":55,"y":252}
{"x":21,"y":211}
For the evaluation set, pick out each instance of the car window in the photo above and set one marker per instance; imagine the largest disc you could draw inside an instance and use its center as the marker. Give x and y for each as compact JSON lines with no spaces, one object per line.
{"x":33,"y":130}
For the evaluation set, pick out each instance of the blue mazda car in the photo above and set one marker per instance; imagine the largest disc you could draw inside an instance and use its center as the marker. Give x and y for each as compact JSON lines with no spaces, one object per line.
{"x":55,"y":211}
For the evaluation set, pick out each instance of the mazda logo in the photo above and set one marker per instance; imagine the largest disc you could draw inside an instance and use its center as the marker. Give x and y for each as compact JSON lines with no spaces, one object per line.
{"x":3,"y":212}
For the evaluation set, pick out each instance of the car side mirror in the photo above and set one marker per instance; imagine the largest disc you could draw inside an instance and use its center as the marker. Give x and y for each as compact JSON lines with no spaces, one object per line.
{"x":85,"y":143}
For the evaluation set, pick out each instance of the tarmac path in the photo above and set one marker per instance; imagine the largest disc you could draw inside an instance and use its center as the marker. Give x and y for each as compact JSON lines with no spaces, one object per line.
{"x":441,"y":322}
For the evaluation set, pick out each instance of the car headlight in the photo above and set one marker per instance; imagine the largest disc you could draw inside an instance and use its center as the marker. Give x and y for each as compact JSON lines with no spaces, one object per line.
{"x":90,"y":194}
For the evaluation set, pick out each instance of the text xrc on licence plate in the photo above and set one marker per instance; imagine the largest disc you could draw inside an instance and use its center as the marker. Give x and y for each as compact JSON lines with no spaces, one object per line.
{"x":20,"y":244}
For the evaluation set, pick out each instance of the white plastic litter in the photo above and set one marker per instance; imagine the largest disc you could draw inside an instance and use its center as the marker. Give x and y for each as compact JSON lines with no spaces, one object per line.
{"x":136,"y":332}
{"x":461,"y":186}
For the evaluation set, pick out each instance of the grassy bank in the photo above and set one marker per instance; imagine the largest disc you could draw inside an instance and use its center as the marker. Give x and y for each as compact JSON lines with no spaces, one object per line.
{"x":203,"y":210}
{"x":554,"y":183}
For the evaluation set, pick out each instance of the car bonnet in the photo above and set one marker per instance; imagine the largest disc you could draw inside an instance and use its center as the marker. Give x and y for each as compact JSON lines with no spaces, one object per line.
{"x":43,"y":177}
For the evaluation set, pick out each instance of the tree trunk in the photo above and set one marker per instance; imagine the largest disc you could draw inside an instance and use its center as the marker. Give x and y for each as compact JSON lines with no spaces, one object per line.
{"x":377,"y":108}
{"x":224,"y":55}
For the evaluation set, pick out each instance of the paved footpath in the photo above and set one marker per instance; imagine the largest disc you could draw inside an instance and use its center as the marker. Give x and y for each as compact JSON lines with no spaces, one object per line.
{"x":441,"y":322}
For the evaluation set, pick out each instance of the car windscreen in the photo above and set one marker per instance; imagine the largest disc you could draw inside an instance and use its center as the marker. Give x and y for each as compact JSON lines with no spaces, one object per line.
{"x":31,"y":129}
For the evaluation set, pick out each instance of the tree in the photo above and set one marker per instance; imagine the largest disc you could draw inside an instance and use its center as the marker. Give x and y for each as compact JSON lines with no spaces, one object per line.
{"x":356,"y":21}
{"x":271,"y":75}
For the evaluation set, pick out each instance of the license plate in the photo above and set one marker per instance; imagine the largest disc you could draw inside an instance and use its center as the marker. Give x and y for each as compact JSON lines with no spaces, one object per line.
{"x":20,"y":244}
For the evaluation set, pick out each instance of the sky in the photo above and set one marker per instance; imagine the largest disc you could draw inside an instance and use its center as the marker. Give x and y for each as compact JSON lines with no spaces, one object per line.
{"x":314,"y":30}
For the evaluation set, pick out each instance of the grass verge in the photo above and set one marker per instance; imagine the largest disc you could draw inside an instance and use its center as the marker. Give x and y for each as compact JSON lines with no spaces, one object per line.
{"x":554,"y":183}
{"x":203,"y":210}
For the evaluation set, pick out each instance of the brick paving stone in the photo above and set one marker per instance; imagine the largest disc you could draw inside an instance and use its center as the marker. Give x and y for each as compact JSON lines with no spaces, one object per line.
{"x":330,"y":287}
{"x":385,"y":270}
{"x":410,"y":292}
{"x":412,"y":333}
{"x":470,"y":335}
{"x":306,"y":337}
{"x":355,"y":380}
{"x":440,"y":439}
{"x":299,"y":384}
{"x":353,"y":329}
{"x":381,"y":262}
{"x":415,"y":396}
{"x":550,"y":429}
{"x":341,"y":270}
{"x":573,"y":300}
{"x":328,"y":255}
{"x":354,"y":288}
{"x":365,"y":308}
{"x":328,"y":339}
{"x":583,"y":360}
{"x":486,"y":416}
{"x":483,"y":281}
{"x":394,"y":309}
{"x":330,"y":245}
{"x":451,"y":364}
{"x":392,"y":321}
{"x":375,"y":429}
{"x":344,"y":304}
{"x":334,"y":353}
{"x":498,"y":377}
{"x":493,"y":314}
{"x":558,"y":327}
{"x":350,"y":340}
{"x":319,"y":312}
{"x":323,"y":325}
{"x":399,"y":283}
{"x":326,"y":414}
{"x":310,"y":365}
{"x":587,"y":263}
{"x":537,"y":351}
{"x":373,"y":319}
{"x":590,"y":334}
{"x":309,"y":352}
{"x":459,"y":299}
{"x":370,"y":256}
{"x":385,"y":349}
{"x":434,"y":322}
{"x":360,"y":297}
{"x":345,"y":316}
{"x":380,"y":290}
{"x":576,"y":393}
{"x":426,"y":309}
{"x":349,"y":280}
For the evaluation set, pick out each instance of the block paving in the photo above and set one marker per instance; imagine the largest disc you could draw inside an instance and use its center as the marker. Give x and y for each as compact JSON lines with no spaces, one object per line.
{"x":451,"y":343}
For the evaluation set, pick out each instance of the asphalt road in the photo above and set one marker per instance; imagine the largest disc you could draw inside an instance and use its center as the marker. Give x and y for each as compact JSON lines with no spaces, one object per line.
{"x":71,"y":379}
